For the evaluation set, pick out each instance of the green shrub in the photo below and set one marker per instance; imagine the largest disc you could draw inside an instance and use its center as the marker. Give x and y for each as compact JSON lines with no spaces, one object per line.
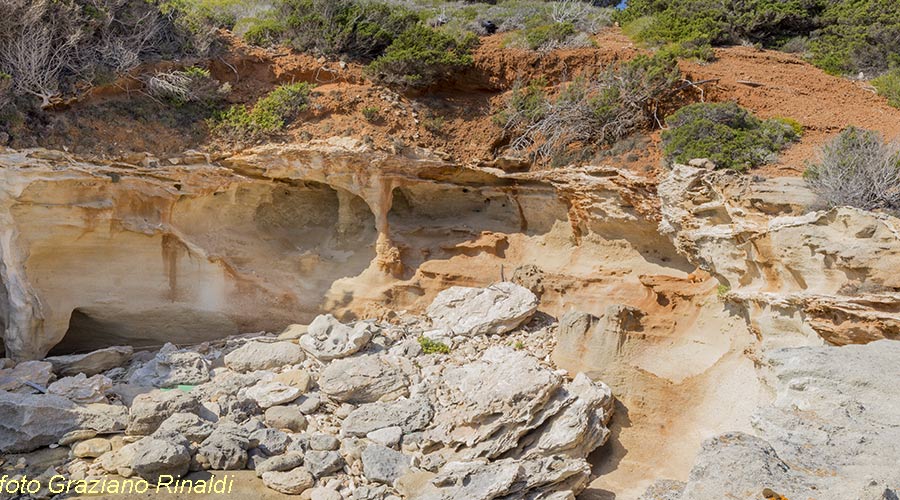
{"x":727,"y":134}
{"x":422,"y":56}
{"x":371,"y":114}
{"x":268,"y":116}
{"x":355,"y":28}
{"x":888,"y":85}
{"x":840,"y":36}
{"x":858,"y":169}
{"x":264,"y":32}
{"x":547,"y":34}
{"x":432,"y":346}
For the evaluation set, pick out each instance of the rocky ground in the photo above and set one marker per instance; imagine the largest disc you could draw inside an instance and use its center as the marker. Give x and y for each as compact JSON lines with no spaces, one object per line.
{"x":461,"y":403}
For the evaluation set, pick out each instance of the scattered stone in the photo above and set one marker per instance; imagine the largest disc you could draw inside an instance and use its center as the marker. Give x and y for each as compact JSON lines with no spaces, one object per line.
{"x":664,"y":489}
{"x":384,"y":465}
{"x":496,"y":309}
{"x":81,"y":389}
{"x":293,"y":332}
{"x":154,"y":457}
{"x":280,"y":463}
{"x":389,"y":436}
{"x":224,"y":449}
{"x":286,"y":417}
{"x":362,"y":379}
{"x":256,"y":355}
{"x":119,"y":461}
{"x":328,"y":339}
{"x":91,"y":448}
{"x":410,"y":415}
{"x":149,"y":410}
{"x":294,"y":378}
{"x":172,"y":367}
{"x":268,"y":394}
{"x":76,"y":435}
{"x":308,"y":404}
{"x":19,"y":378}
{"x":189,"y":425}
{"x":91,"y":363}
{"x":321,"y":493}
{"x":270,"y":441}
{"x":322,"y":463}
{"x":293,"y":482}
{"x":324,"y":442}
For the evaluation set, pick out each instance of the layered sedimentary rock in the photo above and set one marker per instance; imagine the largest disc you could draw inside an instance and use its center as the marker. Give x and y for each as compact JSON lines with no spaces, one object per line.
{"x":798,"y":275}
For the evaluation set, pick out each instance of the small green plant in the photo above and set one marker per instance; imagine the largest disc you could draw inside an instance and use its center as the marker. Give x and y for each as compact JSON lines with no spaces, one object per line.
{"x":548,"y":35}
{"x":434,"y":124}
{"x":371,"y":114}
{"x":430,"y":346}
{"x":422,"y":56}
{"x":519,"y":345}
{"x":727,"y":134}
{"x":269,"y":115}
{"x":722,"y":290}
{"x":888,"y":85}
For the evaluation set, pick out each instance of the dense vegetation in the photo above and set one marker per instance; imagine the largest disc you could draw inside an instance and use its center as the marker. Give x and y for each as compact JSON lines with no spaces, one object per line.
{"x":727,"y":134}
{"x":841,"y":36}
{"x":858,"y":169}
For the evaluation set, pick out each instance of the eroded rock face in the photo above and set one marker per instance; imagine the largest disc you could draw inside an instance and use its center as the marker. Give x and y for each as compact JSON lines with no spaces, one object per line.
{"x":829,"y":274}
{"x":829,"y":434}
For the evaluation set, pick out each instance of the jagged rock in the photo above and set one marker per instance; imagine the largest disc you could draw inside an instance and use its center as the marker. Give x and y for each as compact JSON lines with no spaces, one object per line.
{"x":76,"y":436}
{"x":81,"y":389}
{"x":580,"y":427}
{"x":256,"y":355}
{"x":149,"y":410}
{"x":292,"y":482}
{"x":91,"y":448}
{"x":154,"y":457}
{"x":498,"y":308}
{"x":362,"y":379}
{"x":189,"y":425}
{"x":664,"y":489}
{"x":383,"y":465}
{"x":409,"y":414}
{"x":323,"y":442}
{"x":224,"y":449}
{"x":18,"y":378}
{"x":322,"y":463}
{"x":389,"y":436}
{"x":91,"y":363}
{"x":507,"y":478}
{"x":328,"y":339}
{"x":34,"y":420}
{"x":268,"y":394}
{"x":270,"y":441}
{"x":494,"y":401}
{"x":171,"y":367}
{"x":286,"y":417}
{"x":280,"y":463}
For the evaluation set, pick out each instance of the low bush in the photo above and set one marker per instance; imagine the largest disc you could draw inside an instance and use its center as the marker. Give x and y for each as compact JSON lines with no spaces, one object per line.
{"x":432,"y":346}
{"x":268,"y":116}
{"x":857,"y":169}
{"x":191,"y":84}
{"x":422,"y":56}
{"x":590,"y":111}
{"x":840,"y":36}
{"x":888,"y":85}
{"x":360,"y":29}
{"x":727,"y":134}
